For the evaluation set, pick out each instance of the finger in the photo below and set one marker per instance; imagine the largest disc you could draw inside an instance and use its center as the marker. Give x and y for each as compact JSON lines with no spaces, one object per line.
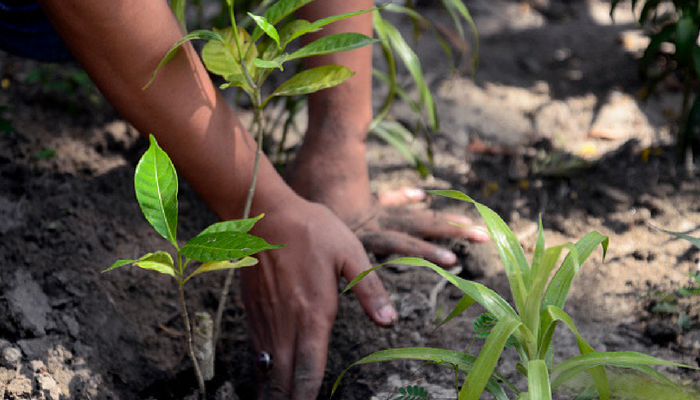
{"x":399,"y":197}
{"x":430,"y":224}
{"x":390,"y":242}
{"x":370,"y":291}
{"x":311,"y":354}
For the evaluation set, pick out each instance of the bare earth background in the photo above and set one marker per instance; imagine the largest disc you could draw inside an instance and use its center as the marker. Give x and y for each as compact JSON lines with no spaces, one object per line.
{"x":556,"y":80}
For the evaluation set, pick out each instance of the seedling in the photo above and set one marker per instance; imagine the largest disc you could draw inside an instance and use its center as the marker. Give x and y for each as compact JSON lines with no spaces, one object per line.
{"x":221,"y":246}
{"x":539,"y":307}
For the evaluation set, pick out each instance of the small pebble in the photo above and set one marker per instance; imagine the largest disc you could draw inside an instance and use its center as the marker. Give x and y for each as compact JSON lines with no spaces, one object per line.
{"x":10,"y":357}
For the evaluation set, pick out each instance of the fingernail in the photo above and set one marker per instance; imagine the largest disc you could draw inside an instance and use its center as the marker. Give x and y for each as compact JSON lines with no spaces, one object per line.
{"x":414,"y":193}
{"x":445,"y":257}
{"x":387,"y":314}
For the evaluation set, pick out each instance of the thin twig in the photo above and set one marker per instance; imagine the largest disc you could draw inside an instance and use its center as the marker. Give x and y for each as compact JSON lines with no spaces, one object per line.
{"x":188,"y":330}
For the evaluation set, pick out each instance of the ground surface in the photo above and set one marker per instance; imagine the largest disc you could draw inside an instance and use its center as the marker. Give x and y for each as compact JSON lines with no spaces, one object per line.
{"x":552,"y":77}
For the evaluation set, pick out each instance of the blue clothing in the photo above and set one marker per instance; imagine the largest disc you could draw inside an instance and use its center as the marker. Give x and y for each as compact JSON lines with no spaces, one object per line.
{"x":25,"y":31}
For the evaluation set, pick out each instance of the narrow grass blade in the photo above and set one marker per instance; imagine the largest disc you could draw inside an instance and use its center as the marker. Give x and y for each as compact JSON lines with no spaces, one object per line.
{"x":333,"y":44}
{"x":156,"y":186}
{"x":412,"y":63}
{"x":461,"y":307}
{"x":509,"y":249}
{"x":413,"y":14}
{"x":463,"y":362}
{"x":558,"y":289}
{"x":625,"y":359}
{"x":695,"y":241}
{"x":457,"y":8}
{"x":483,"y":295}
{"x":485,"y":363}
{"x":395,"y":134}
{"x":201,"y":35}
{"x":223,"y":246}
{"x":538,"y":380}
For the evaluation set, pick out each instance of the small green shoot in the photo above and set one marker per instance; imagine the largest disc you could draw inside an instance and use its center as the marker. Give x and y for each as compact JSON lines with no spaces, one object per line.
{"x":414,"y":392}
{"x":539,"y":308}
{"x":222,"y":246}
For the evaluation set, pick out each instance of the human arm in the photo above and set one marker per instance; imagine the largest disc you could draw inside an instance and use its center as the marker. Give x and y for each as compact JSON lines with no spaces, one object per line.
{"x":119,"y":43}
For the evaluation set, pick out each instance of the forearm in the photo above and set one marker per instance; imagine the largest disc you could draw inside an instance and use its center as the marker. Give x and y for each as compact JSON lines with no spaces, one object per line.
{"x":119,"y":43}
{"x":344,"y":112}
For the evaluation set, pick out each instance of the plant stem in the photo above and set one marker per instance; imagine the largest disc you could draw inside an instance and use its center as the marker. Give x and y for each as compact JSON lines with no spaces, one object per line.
{"x":260,"y":128}
{"x":188,"y":330}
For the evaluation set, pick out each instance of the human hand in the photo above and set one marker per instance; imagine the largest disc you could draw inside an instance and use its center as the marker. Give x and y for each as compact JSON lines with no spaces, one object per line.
{"x":387,"y":227}
{"x":291,"y":298}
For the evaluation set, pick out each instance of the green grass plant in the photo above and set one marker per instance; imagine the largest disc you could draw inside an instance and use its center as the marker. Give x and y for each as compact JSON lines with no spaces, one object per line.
{"x":539,"y":290}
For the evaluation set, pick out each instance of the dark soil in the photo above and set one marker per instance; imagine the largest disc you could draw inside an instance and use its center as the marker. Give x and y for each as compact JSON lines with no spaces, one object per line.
{"x":555,"y":79}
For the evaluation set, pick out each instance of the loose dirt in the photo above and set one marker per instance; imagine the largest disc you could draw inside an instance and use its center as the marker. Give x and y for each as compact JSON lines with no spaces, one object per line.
{"x":551,"y":124}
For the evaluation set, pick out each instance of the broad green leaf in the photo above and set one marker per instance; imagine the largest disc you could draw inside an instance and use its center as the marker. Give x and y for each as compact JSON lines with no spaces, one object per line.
{"x":462,"y":361}
{"x":558,"y":289}
{"x":119,"y":263}
{"x":488,"y":357}
{"x":234,"y":225}
{"x":465,"y":302}
{"x":263,"y":24}
{"x":695,"y":241}
{"x":278,"y":11}
{"x":221,"y":57}
{"x":625,"y":359}
{"x":509,"y":249}
{"x":224,"y":246}
{"x":291,"y":30}
{"x":159,"y":261}
{"x":312,"y":80}
{"x":318,"y":24}
{"x":201,"y":35}
{"x":412,"y":63}
{"x":155,"y":183}
{"x":538,"y":380}
{"x":210,"y":266}
{"x":400,"y":138}
{"x":333,"y":44}
{"x":272,"y":64}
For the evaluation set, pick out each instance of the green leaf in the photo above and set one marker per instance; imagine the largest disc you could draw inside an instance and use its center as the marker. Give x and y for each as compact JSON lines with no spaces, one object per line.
{"x":201,"y":34}
{"x":156,"y":187}
{"x":558,"y":289}
{"x":509,"y":249}
{"x":695,"y":241}
{"x":178,"y":7}
{"x":119,"y":263}
{"x":463,"y":362}
{"x":318,"y":24}
{"x":654,"y":46}
{"x":210,"y":266}
{"x":312,"y":80}
{"x":485,"y":363}
{"x":686,"y":37}
{"x":400,"y":138}
{"x":271,"y":64}
{"x":159,"y":261}
{"x":625,"y":359}
{"x":278,"y":12}
{"x":222,"y":246}
{"x":423,"y":22}
{"x":262,"y":23}
{"x":489,"y":299}
{"x":333,"y":44}
{"x":456,"y":8}
{"x":538,"y":380}
{"x":390,"y":78}
{"x":234,"y":225}
{"x":412,"y":63}
{"x":465,"y":302}
{"x":221,"y":57}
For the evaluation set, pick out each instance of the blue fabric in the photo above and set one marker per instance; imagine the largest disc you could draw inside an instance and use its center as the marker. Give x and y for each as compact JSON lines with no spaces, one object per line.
{"x":25,"y":31}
